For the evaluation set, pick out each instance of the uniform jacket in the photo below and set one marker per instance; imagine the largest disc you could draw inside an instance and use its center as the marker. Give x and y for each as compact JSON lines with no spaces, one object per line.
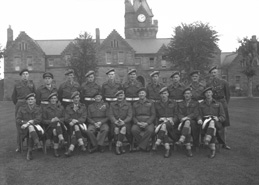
{"x":167,"y":109}
{"x":98,"y":112}
{"x":214,"y":108}
{"x":197,"y":89}
{"x":144,"y":111}
{"x":79,"y":115}
{"x":191,"y":110}
{"x":176,"y":91}
{"x":110,"y":88}
{"x":89,"y":89}
{"x":121,"y":111}
{"x":220,"y":89}
{"x":22,"y":89}
{"x":66,"y":89}
{"x":26,"y":114}
{"x":153,"y":90}
{"x":52,"y":111}
{"x":43,"y":93}
{"x":131,"y":87}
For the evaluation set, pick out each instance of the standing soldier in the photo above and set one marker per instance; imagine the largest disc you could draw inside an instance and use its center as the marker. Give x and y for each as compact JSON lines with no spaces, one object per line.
{"x":67,"y":88}
{"x":131,"y":87}
{"x":98,"y":122}
{"x":196,"y":86}
{"x":144,"y":115}
{"x":176,"y":88}
{"x":211,"y":117}
{"x":188,"y":112}
{"x":166,"y":111}
{"x":221,"y":93}
{"x":154,"y":87}
{"x":121,"y":116}
{"x":75,"y":116}
{"x":28,"y":119}
{"x":89,"y":89}
{"x":45,"y":90}
{"x":21,"y":89}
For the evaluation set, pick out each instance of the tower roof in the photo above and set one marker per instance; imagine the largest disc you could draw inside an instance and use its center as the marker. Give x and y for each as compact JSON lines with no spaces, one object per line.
{"x":128,"y":6}
{"x":138,"y":3}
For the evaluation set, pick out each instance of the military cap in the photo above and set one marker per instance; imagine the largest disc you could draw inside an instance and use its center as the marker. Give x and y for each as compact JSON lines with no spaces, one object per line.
{"x":187,"y":89}
{"x":195,"y":72}
{"x":47,"y":74}
{"x":30,"y":95}
{"x":212,"y":68}
{"x":142,"y":89}
{"x":22,"y":71}
{"x":207,"y":89}
{"x":69,"y":71}
{"x":89,"y":73}
{"x":98,"y":93}
{"x":75,"y":94}
{"x":154,"y":73}
{"x":52,"y":94}
{"x":132,"y":71}
{"x":110,"y":70}
{"x":163,"y":90}
{"x":119,"y":92}
{"x":175,"y":73}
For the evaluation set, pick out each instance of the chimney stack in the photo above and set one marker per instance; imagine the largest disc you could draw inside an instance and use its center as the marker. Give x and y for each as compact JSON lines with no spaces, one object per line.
{"x":9,"y":36}
{"x":97,"y":32}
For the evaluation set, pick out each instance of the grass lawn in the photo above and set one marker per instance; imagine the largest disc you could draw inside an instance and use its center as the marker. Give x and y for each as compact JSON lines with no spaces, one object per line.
{"x":239,"y":166}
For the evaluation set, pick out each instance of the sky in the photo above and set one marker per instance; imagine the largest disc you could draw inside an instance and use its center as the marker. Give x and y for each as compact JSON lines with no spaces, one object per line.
{"x":66,"y":19}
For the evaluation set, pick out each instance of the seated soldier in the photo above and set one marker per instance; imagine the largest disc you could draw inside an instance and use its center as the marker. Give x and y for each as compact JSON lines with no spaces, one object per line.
{"x":211,"y":117}
{"x":120,"y":116}
{"x":29,"y":118}
{"x":144,"y":115}
{"x":53,"y":120}
{"x":75,"y":116}
{"x":98,"y":122}
{"x":188,"y":111}
{"x":167,"y":117}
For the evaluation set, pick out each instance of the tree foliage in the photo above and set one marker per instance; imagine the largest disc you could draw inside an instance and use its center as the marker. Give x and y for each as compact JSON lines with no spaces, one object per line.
{"x":83,"y":56}
{"x":192,"y":46}
{"x":1,"y":52}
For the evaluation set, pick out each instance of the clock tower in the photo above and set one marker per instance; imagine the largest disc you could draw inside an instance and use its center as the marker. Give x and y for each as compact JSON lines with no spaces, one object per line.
{"x":138,"y":20}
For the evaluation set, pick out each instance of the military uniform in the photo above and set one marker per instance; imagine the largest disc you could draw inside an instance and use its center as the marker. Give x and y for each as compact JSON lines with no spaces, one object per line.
{"x":176,"y":92}
{"x":143,"y":111}
{"x":130,"y":88}
{"x":88,"y":90}
{"x":153,"y":90}
{"x":197,"y":89}
{"x":109,"y":89}
{"x":43,"y":93}
{"x":98,"y":112}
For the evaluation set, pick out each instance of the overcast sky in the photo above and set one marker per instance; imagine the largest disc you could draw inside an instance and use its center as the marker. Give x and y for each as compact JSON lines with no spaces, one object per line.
{"x":65,"y":19}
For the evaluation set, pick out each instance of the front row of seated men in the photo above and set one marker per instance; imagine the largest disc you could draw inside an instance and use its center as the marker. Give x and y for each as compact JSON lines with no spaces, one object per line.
{"x":145,"y":120}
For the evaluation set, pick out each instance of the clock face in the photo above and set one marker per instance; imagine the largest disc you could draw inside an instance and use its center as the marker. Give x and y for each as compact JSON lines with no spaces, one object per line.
{"x":141,"y":17}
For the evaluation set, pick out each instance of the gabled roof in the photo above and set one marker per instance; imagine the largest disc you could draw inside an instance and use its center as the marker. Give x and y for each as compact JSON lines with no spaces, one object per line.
{"x":53,"y":47}
{"x":143,"y":3}
{"x":227,"y":58}
{"x":148,"y":46}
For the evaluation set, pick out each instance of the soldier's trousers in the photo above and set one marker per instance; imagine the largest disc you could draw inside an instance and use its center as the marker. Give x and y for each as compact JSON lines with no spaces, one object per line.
{"x":128,"y":131}
{"x":18,"y":127}
{"x":100,"y":138}
{"x":221,"y":134}
{"x":142,"y":136}
{"x":173,"y":132}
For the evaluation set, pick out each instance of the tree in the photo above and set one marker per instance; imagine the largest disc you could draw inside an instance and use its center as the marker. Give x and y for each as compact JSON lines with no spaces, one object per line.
{"x":193,"y":46}
{"x":83,"y":56}
{"x":249,"y":56}
{"x":1,"y":52}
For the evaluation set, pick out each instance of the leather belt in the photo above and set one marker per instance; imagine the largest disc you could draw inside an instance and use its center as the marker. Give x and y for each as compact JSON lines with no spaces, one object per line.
{"x":178,"y":101}
{"x":67,"y":100}
{"x":89,"y":99}
{"x":155,"y":100}
{"x":200,"y":101}
{"x":132,"y":99}
{"x":44,"y":102}
{"x":111,"y":99}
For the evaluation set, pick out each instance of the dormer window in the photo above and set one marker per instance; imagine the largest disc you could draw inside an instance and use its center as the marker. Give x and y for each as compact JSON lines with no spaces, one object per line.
{"x":23,"y":46}
{"x":114,"y":44}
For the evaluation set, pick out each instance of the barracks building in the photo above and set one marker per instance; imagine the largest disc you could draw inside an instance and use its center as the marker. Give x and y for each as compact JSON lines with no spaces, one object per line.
{"x":140,"y":49}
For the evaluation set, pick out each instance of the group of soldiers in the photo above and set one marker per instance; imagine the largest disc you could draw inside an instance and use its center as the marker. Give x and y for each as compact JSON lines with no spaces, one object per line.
{"x":146,"y":117}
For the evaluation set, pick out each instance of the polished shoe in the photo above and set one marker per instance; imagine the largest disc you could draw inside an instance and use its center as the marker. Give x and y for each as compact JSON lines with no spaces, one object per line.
{"x":102,"y":149}
{"x":167,"y":154}
{"x":56,"y":153}
{"x":122,"y":150}
{"x":226,"y":147}
{"x":212,"y":154}
{"x":68,"y":153}
{"x":117,"y":150}
{"x":94,"y":149}
{"x":136,"y":149}
{"x":148,"y":149}
{"x":154,"y":148}
{"x":189,"y":153}
{"x":83,"y":148}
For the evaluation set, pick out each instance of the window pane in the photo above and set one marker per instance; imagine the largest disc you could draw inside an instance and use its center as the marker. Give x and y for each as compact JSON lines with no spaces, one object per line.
{"x":17,"y":63}
{"x":121,"y":57}
{"x":51,"y":62}
{"x":152,"y":62}
{"x":108,"y":57}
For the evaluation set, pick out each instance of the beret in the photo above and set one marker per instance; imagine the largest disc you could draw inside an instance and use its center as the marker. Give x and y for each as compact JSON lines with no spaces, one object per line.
{"x":207,"y":89}
{"x":52,"y":94}
{"x":187,"y":89}
{"x":194,"y":72}
{"x":75,"y":94}
{"x":142,"y":89}
{"x":212,"y":68}
{"x":132,"y":71}
{"x":30,"y":95}
{"x":154,"y":73}
{"x":47,"y":74}
{"x":69,"y":71}
{"x":89,"y":73}
{"x":119,"y":92}
{"x":175,"y":73}
{"x":23,"y":70}
{"x":110,"y":70}
{"x":163,"y":90}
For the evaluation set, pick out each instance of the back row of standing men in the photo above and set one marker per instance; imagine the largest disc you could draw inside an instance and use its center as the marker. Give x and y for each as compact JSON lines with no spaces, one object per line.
{"x":130,"y":89}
